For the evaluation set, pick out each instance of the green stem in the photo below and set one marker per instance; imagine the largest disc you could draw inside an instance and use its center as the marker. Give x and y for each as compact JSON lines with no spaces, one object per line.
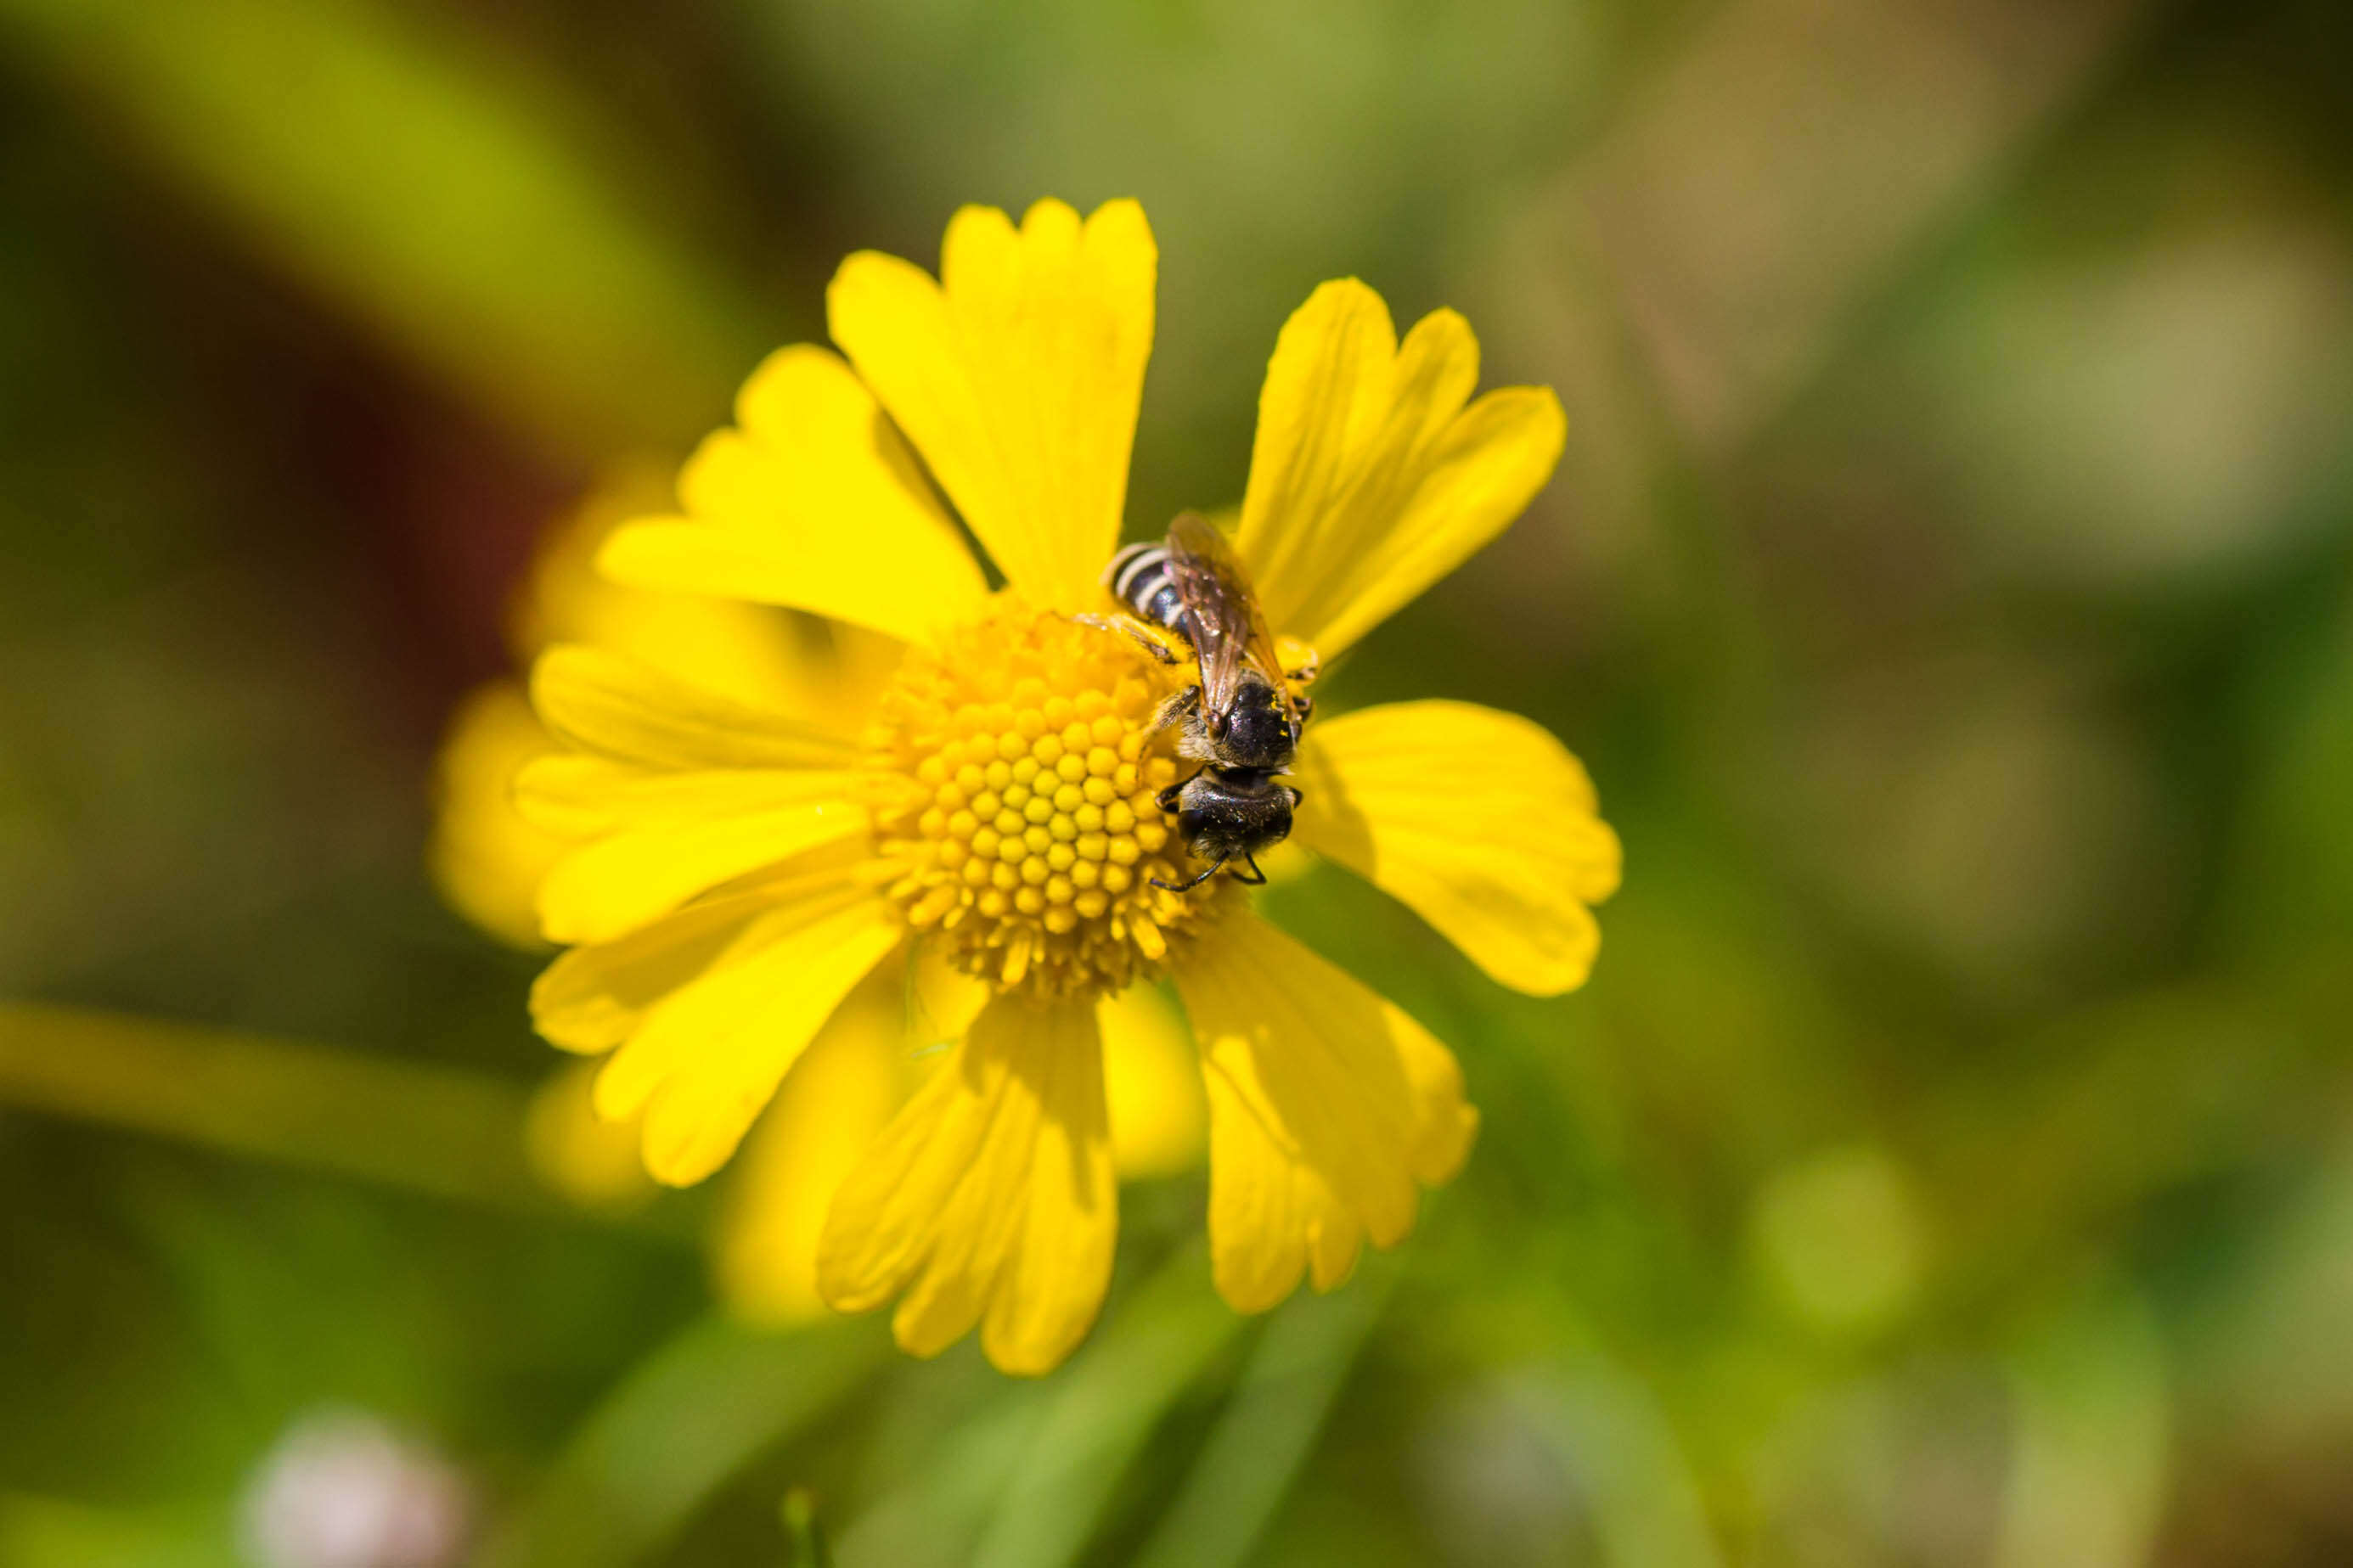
{"x":431,"y":1128}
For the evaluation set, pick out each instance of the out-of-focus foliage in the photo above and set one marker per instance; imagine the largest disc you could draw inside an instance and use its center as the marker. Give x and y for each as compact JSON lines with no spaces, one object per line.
{"x":1949,"y":586}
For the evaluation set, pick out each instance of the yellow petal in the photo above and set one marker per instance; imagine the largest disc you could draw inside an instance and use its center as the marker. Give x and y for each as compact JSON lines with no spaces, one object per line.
{"x":1327,"y":1105}
{"x":1369,"y":478}
{"x":705,"y":1060}
{"x":629,"y":711}
{"x":1017,"y":376}
{"x":576,"y":796}
{"x":1277,"y":1213}
{"x":485,"y":858}
{"x":862,"y":666}
{"x":594,"y":997}
{"x":656,"y":838}
{"x":812,"y":501}
{"x":941,"y":1000}
{"x":991,"y":1198}
{"x":1152,"y":1078}
{"x":611,"y":886}
{"x":748,"y":652}
{"x":1479,"y":820}
{"x":833,"y":1102}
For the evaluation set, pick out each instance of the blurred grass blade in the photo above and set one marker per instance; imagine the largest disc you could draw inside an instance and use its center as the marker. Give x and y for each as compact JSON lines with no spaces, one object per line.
{"x":677,"y":1430}
{"x":436,"y":192}
{"x":804,"y":1532}
{"x":1623,"y":1458}
{"x":2269,"y":1360}
{"x":2093,"y":1429}
{"x":438,"y":1130}
{"x":1267,"y":1433}
{"x":931,"y":1521}
{"x":1104,"y":1408}
{"x":46,"y":1532}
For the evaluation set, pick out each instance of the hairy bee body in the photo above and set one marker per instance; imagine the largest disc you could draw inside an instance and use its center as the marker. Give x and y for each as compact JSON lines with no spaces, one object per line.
{"x":1239,"y":719}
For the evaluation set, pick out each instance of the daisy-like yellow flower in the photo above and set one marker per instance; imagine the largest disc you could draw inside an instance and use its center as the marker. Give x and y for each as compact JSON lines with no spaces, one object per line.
{"x":490,"y":862}
{"x":741,"y":870}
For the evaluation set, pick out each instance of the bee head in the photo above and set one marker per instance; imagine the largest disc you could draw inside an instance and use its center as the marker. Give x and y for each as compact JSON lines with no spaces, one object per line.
{"x":1224,"y":811}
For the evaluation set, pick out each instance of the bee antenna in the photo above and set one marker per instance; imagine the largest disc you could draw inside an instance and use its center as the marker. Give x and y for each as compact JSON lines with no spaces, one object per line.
{"x":1257,"y":879}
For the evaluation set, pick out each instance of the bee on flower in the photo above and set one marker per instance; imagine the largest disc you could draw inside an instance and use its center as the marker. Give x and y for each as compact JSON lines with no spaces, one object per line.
{"x":1018,"y":819}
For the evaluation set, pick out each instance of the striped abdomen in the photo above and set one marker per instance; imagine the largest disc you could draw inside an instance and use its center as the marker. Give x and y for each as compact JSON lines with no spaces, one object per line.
{"x":1139,"y":579}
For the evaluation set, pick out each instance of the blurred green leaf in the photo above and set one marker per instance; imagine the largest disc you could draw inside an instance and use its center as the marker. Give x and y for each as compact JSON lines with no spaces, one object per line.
{"x":45,"y":1532}
{"x":1620,"y":1456}
{"x":438,"y":1130}
{"x":1104,"y":1408}
{"x":2265,"y":1362}
{"x":1267,"y":1433}
{"x":2094,"y":1422}
{"x":2291,"y":887}
{"x":940,"y":1499}
{"x":677,"y":1430}
{"x":442,"y":195}
{"x":804,"y":1534}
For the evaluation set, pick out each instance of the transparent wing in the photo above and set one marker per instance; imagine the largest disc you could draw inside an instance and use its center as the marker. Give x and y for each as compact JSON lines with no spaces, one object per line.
{"x":1229,"y":630}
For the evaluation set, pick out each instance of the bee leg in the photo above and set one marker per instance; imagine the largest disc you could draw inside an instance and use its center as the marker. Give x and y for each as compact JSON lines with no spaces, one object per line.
{"x":1174,"y":708}
{"x":1188,"y":886}
{"x":1257,"y":879}
{"x":1167,"y":799}
{"x":1297,"y":794}
{"x":1302,"y":705}
{"x":1126,"y":626}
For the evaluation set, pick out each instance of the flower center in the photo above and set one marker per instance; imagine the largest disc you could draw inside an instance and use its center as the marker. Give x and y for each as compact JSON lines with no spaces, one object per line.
{"x":1013,"y":770}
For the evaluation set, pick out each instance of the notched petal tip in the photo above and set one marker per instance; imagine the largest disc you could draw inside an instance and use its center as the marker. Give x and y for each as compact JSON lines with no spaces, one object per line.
{"x":1339,"y":298}
{"x":1052,"y":220}
{"x":1506,"y":859}
{"x":1329,"y":1108}
{"x":684,"y":1156}
{"x":990,"y":1200}
{"x":703,"y":1060}
{"x":1373,"y":474}
{"x":795,"y":504}
{"x":1017,"y":376}
{"x":1120,"y":223}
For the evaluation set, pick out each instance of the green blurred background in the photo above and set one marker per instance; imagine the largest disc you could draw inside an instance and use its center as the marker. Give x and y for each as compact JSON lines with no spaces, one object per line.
{"x":1949,"y":583}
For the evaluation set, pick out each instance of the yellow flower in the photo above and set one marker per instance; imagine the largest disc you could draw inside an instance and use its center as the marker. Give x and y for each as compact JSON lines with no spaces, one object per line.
{"x":742,"y":871}
{"x":490,"y":861}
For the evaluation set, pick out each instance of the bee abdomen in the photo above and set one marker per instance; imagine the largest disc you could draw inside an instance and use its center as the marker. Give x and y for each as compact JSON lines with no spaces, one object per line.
{"x":1139,"y":579}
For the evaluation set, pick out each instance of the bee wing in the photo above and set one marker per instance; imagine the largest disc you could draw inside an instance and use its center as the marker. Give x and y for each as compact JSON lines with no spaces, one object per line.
{"x":1229,"y":629}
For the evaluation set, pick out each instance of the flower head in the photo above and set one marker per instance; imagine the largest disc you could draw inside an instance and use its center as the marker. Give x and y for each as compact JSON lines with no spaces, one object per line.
{"x":1014,"y":768}
{"x":491,"y":862}
{"x":739,"y":870}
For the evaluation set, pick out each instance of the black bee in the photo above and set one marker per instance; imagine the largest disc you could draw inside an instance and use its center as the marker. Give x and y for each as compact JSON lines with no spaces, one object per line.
{"x":1241,"y":721}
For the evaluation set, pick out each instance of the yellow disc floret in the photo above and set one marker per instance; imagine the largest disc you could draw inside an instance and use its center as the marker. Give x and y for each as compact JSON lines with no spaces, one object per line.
{"x":1013,"y":770}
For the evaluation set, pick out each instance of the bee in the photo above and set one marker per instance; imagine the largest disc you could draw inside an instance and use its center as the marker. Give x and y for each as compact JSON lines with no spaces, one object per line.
{"x":1240,"y":720}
